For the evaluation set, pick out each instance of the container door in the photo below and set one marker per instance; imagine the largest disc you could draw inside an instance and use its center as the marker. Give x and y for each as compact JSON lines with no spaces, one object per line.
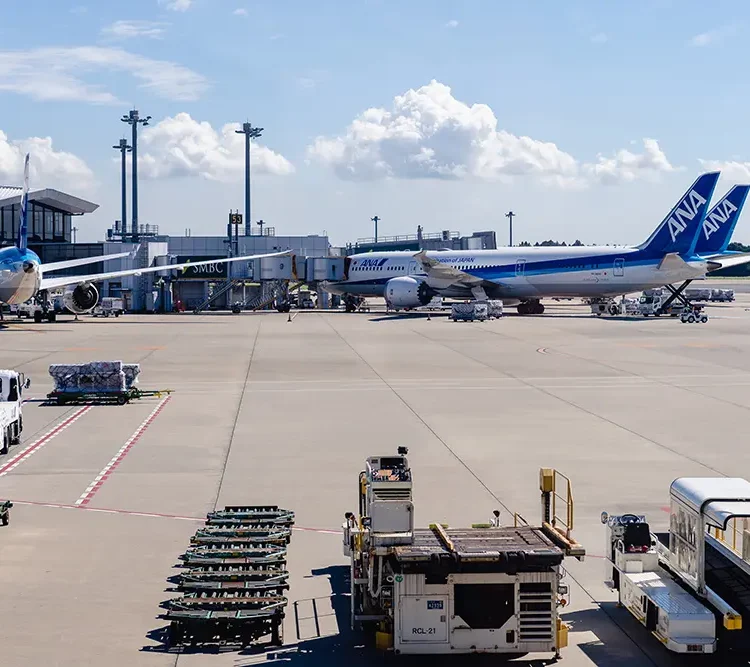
{"x":424,"y":618}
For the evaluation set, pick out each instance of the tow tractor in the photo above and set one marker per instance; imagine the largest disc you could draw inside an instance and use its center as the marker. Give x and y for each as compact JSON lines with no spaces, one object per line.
{"x":692,"y":314}
{"x":490,"y":588}
{"x":690,"y":587}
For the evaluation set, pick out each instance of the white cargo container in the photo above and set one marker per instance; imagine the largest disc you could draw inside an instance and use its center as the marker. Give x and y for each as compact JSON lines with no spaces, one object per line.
{"x":468,"y":312}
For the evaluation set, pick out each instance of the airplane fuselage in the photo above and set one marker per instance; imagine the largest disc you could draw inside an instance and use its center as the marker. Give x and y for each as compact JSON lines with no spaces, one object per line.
{"x":524,"y":272}
{"x":20,"y":275}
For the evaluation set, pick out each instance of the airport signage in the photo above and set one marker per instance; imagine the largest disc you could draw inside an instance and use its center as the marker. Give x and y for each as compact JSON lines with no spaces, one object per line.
{"x":212,"y":271}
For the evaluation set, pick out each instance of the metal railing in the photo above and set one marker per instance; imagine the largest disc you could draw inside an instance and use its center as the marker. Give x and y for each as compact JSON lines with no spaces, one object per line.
{"x":565,"y":519}
{"x":732,"y":537}
{"x":449,"y":236}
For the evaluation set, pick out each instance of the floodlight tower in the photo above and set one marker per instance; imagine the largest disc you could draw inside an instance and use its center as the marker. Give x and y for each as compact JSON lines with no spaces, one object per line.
{"x":250,"y":132}
{"x":133,"y":119}
{"x":510,"y":215}
{"x":124,"y":150}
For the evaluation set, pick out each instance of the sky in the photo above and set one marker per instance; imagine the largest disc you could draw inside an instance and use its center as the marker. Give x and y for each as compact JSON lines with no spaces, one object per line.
{"x":588,"y":119}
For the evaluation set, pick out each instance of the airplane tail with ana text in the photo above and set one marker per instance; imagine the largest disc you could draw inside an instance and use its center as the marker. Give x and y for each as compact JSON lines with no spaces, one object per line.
{"x":678,"y":232}
{"x":717,"y":228}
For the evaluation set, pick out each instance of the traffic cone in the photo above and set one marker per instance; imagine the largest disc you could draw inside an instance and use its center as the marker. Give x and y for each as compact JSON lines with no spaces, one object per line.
{"x":289,"y":319}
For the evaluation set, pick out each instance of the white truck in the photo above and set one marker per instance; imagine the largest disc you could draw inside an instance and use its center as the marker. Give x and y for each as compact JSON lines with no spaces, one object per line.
{"x":12,"y":385}
{"x":109,"y":306}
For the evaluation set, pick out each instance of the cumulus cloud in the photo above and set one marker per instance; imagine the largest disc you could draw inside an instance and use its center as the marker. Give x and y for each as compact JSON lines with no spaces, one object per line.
{"x":735,"y":171}
{"x":240,"y":12}
{"x":181,"y":146}
{"x":60,"y":74}
{"x":47,"y":167}
{"x":452,"y":24}
{"x":132,"y":29}
{"x":177,"y":5}
{"x":428,"y":133}
{"x":599,"y":38}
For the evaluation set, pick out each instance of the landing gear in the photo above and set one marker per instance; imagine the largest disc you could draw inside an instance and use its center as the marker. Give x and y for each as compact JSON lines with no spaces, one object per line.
{"x":531,"y":307}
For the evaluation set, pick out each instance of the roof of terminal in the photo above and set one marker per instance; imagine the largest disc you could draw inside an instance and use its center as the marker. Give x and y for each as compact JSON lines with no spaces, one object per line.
{"x":60,"y":200}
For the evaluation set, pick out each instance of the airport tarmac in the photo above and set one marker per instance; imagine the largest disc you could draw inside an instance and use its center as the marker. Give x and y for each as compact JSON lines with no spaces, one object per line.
{"x":275,"y":412}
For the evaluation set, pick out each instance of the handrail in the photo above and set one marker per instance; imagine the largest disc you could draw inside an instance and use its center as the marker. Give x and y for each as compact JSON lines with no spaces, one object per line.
{"x":567,"y":500}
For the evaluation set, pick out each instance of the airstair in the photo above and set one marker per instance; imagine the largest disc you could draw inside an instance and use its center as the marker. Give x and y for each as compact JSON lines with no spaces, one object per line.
{"x":230,"y":284}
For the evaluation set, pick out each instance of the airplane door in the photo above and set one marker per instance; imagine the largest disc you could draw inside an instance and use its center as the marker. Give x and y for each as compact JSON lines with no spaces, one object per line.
{"x":412,"y":268}
{"x":520,"y":268}
{"x":619,"y":268}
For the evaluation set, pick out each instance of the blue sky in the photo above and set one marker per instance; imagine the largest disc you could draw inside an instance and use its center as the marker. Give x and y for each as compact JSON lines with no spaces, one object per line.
{"x":540,"y":107}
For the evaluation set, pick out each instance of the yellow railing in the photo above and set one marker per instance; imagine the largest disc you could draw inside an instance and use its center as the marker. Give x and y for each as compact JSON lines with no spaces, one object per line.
{"x":732,"y":536}
{"x":566,"y":500}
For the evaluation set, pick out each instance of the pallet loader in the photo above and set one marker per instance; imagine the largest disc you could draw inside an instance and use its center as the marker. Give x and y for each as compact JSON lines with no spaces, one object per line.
{"x":485,"y":589}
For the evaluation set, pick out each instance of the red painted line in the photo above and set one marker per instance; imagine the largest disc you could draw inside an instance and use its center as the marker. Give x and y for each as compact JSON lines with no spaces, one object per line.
{"x":157,"y":515}
{"x":38,"y":444}
{"x":116,"y":460}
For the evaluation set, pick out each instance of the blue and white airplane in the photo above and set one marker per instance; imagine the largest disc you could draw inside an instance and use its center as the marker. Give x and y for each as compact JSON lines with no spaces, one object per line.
{"x":22,"y":274}
{"x":524,"y":275}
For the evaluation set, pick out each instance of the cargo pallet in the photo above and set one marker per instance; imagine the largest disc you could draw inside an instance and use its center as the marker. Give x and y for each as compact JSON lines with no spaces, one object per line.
{"x":233,"y":579}
{"x":118,"y":397}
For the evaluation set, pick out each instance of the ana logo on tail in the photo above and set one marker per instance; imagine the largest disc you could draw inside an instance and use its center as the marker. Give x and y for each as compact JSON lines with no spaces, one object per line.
{"x":718,"y":217}
{"x":688,"y":211}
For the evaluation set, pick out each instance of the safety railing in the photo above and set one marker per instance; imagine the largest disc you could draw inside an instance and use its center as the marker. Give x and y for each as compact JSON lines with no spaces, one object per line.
{"x":732,"y":537}
{"x":562,"y":503}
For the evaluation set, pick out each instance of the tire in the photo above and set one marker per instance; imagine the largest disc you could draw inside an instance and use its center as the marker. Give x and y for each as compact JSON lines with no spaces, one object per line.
{"x":6,"y":518}
{"x":121,"y":400}
{"x":704,"y":319}
{"x":38,"y":317}
{"x":691,"y":319}
{"x":51,"y":316}
{"x":6,"y":443}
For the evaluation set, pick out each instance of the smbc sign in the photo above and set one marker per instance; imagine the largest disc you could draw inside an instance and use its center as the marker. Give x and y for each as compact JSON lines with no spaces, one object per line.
{"x":212,"y":270}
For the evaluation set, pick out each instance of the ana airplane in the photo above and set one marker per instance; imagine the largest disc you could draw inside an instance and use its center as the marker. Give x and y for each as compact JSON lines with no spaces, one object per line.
{"x":22,"y":274}
{"x":524,"y":275}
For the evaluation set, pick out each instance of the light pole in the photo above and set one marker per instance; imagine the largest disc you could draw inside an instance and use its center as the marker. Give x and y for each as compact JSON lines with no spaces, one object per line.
{"x":124,"y":150}
{"x":510,"y":215}
{"x":376,"y":219}
{"x":250,"y":132}
{"x":133,"y":119}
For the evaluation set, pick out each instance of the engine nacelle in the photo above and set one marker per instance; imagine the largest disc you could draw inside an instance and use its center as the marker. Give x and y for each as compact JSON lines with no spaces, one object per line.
{"x":82,"y":299}
{"x":408,"y":292}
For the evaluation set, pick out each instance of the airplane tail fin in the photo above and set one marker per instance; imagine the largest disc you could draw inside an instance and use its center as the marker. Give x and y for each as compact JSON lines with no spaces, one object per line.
{"x":717,"y":228}
{"x":678,"y":232}
{"x":23,"y":228}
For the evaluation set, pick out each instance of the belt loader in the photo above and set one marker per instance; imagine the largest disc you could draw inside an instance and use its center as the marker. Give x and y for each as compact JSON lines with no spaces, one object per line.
{"x":485,"y":589}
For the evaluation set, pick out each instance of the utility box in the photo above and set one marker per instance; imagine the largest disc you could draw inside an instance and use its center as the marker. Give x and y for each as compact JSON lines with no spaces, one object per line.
{"x":276,"y":268}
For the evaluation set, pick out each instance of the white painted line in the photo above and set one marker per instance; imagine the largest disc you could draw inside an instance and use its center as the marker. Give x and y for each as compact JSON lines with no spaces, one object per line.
{"x":41,"y":442}
{"x":92,"y":488}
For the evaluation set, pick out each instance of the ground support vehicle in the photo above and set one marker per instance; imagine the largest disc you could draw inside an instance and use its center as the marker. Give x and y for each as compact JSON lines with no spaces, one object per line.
{"x":490,"y":588}
{"x":12,"y":385}
{"x":722,"y":295}
{"x":690,"y":587}
{"x":693,"y":314}
{"x":5,"y":506}
{"x":109,"y":306}
{"x":234,"y":580}
{"x":118,"y":397}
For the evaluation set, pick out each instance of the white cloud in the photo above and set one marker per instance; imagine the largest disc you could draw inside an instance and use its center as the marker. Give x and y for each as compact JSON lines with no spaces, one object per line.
{"x":177,"y":5}
{"x":47,"y":167}
{"x":428,"y":133}
{"x":599,"y":38}
{"x":626,"y":166}
{"x":306,"y":82}
{"x":181,"y":146}
{"x":240,"y":12}
{"x":713,"y":36}
{"x":452,"y":24}
{"x":58,"y":74}
{"x":132,"y":29}
{"x":735,"y":171}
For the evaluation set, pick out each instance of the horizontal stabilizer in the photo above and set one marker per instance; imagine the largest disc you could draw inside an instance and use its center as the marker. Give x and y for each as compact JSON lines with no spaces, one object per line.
{"x":671,"y":261}
{"x":728,"y":261}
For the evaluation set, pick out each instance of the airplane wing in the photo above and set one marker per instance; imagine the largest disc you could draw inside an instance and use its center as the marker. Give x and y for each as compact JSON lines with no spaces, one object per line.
{"x":69,"y":263}
{"x":53,"y":283}
{"x":444,"y":272}
{"x":716,"y":262}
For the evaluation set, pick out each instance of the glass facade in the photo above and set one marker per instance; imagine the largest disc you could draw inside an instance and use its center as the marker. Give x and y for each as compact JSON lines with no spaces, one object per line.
{"x":46,"y":224}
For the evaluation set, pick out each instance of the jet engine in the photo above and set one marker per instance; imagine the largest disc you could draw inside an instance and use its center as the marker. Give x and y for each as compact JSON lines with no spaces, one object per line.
{"x":407,"y":292}
{"x":82,"y":299}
